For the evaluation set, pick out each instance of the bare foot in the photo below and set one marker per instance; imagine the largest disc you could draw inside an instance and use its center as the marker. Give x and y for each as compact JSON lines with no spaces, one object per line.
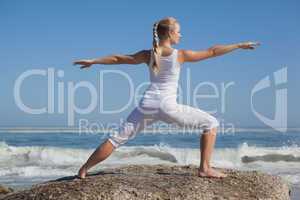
{"x":82,"y":172}
{"x":211,"y":173}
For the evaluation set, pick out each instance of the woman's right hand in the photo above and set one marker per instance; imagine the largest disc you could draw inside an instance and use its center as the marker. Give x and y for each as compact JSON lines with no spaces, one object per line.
{"x":248,"y":45}
{"x":84,"y":63}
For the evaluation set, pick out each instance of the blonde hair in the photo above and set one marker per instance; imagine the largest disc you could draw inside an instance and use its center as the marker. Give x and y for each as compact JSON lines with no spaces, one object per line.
{"x":160,"y":32}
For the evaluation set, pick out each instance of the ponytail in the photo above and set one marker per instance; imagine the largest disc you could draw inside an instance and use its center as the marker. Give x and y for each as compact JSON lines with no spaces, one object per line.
{"x":155,"y":49}
{"x":160,"y":32}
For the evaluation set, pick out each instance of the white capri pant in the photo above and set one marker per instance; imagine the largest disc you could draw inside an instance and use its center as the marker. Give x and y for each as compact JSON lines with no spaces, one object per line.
{"x":181,"y":115}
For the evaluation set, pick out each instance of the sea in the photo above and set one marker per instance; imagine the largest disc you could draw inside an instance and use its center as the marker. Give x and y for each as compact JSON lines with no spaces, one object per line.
{"x":28,"y":157}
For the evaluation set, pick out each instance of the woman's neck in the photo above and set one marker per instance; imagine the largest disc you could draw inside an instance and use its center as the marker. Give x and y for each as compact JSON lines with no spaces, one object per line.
{"x":165,"y":43}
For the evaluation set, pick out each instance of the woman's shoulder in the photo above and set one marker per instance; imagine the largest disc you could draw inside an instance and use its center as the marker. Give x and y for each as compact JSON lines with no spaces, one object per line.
{"x":180,"y":55}
{"x":145,"y":54}
{"x":148,"y":55}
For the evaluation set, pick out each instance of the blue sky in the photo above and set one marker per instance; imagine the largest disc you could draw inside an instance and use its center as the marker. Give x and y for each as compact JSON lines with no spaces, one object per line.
{"x":52,"y":34}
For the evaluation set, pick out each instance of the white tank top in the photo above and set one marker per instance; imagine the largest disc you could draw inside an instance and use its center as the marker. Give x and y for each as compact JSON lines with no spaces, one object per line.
{"x":164,"y":84}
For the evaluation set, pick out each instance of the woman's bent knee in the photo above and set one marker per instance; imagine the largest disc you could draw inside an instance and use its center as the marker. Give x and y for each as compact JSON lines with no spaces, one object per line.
{"x":212,"y":126}
{"x":215,"y":123}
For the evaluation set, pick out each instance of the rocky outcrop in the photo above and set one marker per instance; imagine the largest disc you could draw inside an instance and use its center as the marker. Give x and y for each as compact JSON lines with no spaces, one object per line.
{"x":159,"y":182}
{"x":4,"y":191}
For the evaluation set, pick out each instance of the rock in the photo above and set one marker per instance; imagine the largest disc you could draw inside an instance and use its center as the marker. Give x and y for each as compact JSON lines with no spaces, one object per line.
{"x":159,"y":182}
{"x":4,"y":190}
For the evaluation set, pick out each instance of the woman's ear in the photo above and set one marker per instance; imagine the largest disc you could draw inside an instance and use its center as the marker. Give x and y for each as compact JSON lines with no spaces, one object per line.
{"x":170,"y":34}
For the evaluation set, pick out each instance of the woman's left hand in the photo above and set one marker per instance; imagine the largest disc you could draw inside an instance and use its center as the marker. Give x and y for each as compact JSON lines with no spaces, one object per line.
{"x":84,"y":63}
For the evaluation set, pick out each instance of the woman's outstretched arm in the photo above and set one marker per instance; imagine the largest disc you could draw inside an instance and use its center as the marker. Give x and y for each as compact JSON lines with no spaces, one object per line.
{"x":136,"y":58}
{"x":217,"y":50}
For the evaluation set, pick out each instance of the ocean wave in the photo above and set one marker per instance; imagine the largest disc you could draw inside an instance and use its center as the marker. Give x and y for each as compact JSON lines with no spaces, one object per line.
{"x":271,"y":158}
{"x":50,"y":161}
{"x":60,"y":156}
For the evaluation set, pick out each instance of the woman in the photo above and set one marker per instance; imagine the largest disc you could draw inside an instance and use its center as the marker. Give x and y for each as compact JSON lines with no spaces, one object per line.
{"x":159,"y":100}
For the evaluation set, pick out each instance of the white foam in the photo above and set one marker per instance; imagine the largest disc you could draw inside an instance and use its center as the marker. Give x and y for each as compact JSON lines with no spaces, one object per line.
{"x":38,"y":161}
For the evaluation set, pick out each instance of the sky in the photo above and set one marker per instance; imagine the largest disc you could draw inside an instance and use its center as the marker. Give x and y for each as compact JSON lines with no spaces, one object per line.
{"x":46,"y":36}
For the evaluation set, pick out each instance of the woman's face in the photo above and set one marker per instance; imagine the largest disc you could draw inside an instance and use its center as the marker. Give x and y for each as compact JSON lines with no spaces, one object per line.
{"x":175,"y":34}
